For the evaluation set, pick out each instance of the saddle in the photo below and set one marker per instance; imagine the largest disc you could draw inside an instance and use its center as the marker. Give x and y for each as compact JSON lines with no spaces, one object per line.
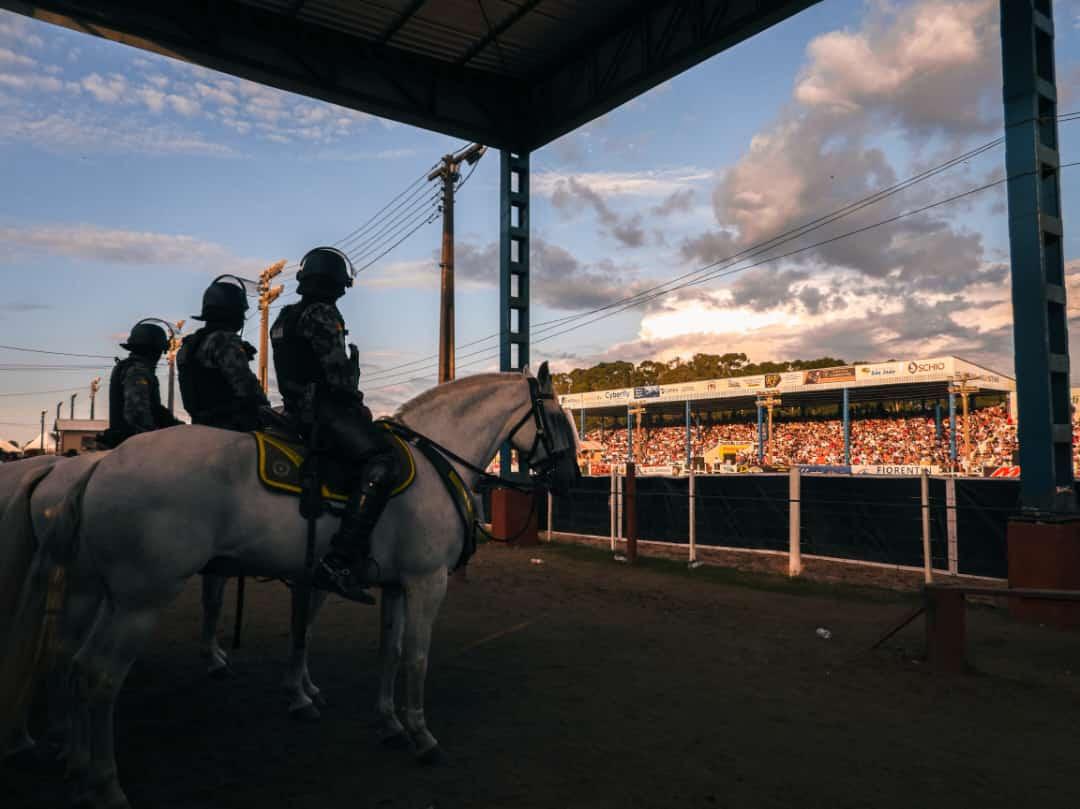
{"x":281,"y":455}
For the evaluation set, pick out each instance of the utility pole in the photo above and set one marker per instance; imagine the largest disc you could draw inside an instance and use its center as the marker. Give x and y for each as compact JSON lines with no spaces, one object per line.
{"x":174,"y":346}
{"x":267,"y":295}
{"x":95,"y":383}
{"x":447,"y":172}
{"x":71,"y":410}
{"x":56,"y":428}
{"x":960,"y":387}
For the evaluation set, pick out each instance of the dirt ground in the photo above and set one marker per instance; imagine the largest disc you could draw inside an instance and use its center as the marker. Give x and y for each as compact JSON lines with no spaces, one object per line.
{"x":584,"y":683}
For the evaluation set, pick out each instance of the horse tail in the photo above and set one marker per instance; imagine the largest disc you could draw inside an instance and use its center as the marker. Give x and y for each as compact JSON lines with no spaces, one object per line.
{"x":41,"y":594}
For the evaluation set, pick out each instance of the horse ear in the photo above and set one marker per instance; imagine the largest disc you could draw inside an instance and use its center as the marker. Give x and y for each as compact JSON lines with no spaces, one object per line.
{"x":544,"y":376}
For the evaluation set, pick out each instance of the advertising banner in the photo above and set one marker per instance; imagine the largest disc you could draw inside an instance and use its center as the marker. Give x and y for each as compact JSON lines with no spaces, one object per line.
{"x":919,"y":367}
{"x":819,"y":376}
{"x":1006,"y":472}
{"x":878,"y":370}
{"x":772,"y":380}
{"x":647,"y":392}
{"x":824,"y":469}
{"x":901,"y":470}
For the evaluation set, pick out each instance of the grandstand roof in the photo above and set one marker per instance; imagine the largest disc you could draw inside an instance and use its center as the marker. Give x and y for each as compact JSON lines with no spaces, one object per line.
{"x":514,"y":74}
{"x":866,"y":382}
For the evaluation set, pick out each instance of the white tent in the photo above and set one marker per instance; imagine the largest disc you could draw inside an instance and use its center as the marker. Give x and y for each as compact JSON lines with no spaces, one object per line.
{"x":7,"y":448}
{"x":35,"y":443}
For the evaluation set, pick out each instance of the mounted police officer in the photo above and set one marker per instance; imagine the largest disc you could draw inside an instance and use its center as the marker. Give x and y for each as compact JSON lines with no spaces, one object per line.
{"x":318,"y":380}
{"x":134,"y":394}
{"x":216,"y":381}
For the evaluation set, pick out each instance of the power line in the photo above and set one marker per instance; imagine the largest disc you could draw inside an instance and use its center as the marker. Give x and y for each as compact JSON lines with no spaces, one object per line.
{"x":786,"y":236}
{"x":720,"y":273}
{"x":40,"y":392}
{"x":57,"y":353}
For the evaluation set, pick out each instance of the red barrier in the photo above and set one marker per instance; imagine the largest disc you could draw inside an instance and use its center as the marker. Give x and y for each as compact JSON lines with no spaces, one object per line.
{"x":514,"y":517}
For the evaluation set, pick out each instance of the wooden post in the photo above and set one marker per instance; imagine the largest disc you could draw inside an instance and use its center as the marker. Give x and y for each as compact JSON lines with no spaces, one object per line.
{"x":794,"y":523}
{"x":549,"y":516}
{"x":924,"y":493}
{"x":693,"y":516}
{"x":618,"y":512}
{"x":950,"y":525}
{"x":630,"y":501}
{"x":945,"y":630}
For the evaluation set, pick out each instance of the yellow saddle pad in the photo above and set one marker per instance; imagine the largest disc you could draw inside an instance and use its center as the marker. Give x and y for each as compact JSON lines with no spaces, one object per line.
{"x":280,"y":460}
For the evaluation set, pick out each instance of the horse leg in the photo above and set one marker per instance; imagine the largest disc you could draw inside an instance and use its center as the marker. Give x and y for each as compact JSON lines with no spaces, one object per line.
{"x":391,"y":632}
{"x":423,"y":597}
{"x":213,"y":598}
{"x":318,"y":598}
{"x":122,"y":635}
{"x":302,"y":704}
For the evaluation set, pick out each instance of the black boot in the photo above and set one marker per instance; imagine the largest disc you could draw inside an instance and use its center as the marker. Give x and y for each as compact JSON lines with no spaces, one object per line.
{"x":342,"y":570}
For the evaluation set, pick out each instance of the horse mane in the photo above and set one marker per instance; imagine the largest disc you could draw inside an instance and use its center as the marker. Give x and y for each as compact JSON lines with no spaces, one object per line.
{"x":466,"y":383}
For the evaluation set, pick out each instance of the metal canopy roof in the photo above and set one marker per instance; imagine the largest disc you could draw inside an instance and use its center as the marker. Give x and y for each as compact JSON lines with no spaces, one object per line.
{"x":513,"y":74}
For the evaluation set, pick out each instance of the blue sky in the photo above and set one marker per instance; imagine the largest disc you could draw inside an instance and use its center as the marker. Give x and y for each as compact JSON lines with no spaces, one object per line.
{"x":131,"y":180}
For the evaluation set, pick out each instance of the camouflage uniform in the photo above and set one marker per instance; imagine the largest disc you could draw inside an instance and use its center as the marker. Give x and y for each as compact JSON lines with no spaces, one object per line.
{"x":135,"y":401}
{"x":216,"y":381}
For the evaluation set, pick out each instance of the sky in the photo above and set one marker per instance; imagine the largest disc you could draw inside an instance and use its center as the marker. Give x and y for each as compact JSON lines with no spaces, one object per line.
{"x":131,"y":180}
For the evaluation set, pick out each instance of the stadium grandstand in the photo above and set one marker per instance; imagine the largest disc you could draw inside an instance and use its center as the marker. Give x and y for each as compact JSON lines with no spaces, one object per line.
{"x":896,"y":417}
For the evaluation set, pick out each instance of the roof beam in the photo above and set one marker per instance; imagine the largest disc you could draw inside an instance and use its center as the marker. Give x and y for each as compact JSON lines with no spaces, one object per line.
{"x":399,"y":23}
{"x":628,"y":58}
{"x":264,"y":46}
{"x":500,"y":28}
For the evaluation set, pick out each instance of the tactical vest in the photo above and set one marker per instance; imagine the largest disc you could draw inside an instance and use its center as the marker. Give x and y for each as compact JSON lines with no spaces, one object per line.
{"x":295,"y":361}
{"x":207,"y":395}
{"x":119,"y":428}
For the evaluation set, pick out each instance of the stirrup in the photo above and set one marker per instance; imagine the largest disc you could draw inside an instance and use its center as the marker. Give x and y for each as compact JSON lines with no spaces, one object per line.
{"x":341,"y":582}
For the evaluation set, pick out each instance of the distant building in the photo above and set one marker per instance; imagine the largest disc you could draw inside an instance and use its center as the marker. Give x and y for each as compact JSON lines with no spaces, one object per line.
{"x":79,"y":435}
{"x":9,"y":451}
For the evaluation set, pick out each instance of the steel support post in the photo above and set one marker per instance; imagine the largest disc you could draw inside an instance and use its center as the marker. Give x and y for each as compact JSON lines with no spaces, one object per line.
{"x":937,"y":421}
{"x":952,"y":427}
{"x":1040,"y":322}
{"x":847,"y":427}
{"x":629,"y":436}
{"x":689,"y":445}
{"x":513,"y":269}
{"x":760,"y":434}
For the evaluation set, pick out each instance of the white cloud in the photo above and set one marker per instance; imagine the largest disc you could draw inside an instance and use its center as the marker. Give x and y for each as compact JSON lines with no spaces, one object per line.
{"x":106,"y":90}
{"x":48,"y":84}
{"x":215,"y":94}
{"x":125,"y":247}
{"x":184,"y":106}
{"x":11,"y":58}
{"x":651,"y":183}
{"x":16,"y":28}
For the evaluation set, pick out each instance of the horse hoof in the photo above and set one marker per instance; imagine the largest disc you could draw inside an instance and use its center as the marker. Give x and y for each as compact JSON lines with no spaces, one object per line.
{"x":430,"y":757}
{"x":220,"y":673}
{"x":396,"y":741}
{"x":307,"y":713}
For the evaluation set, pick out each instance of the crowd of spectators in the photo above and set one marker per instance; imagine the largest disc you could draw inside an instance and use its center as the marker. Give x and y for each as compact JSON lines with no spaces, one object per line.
{"x":902,"y":440}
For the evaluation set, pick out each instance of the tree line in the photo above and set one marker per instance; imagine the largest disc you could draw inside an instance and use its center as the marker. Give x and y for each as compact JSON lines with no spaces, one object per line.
{"x":607,"y":375}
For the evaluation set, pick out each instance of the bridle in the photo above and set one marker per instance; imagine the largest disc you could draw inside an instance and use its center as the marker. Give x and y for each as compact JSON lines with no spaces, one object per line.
{"x":543,"y":467}
{"x":542,"y":437}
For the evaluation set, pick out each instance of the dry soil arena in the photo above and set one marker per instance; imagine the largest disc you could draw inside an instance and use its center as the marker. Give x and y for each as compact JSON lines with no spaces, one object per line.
{"x":583,"y":683}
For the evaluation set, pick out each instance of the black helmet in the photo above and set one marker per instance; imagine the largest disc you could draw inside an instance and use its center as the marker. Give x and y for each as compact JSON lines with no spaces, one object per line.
{"x":325,"y":271}
{"x":225,"y":300}
{"x":146,"y":337}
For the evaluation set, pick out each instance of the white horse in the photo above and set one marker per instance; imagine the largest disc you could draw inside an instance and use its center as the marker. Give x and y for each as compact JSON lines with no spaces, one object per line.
{"x":154,"y":512}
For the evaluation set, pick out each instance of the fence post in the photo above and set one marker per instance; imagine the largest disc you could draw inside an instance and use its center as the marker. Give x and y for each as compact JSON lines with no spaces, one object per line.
{"x":924,"y":494}
{"x":950,"y":526}
{"x":794,"y":523}
{"x":611,"y":507}
{"x":618,"y":510}
{"x":693,"y":518}
{"x":549,"y":517}
{"x":631,"y":514}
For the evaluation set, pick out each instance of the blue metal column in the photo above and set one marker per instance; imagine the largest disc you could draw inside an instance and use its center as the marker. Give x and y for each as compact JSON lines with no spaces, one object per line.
{"x":689,"y":445}
{"x":847,"y":427}
{"x":513,"y":268}
{"x":937,"y":421}
{"x":629,"y":435}
{"x":1040,"y":324}
{"x":952,"y":426}
{"x":582,"y":425}
{"x":760,"y":434}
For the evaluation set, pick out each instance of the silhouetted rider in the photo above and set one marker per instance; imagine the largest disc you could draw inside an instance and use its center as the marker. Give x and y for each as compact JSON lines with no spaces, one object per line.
{"x":134,"y":394}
